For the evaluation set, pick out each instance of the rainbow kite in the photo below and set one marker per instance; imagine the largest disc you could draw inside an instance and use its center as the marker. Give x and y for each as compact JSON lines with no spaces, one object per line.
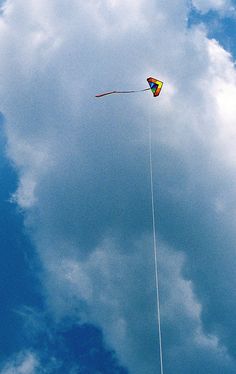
{"x":155,"y":87}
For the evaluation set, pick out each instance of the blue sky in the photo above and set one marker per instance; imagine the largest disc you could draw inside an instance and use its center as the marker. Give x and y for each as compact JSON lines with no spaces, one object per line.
{"x":219,"y":26}
{"x":77,"y":278}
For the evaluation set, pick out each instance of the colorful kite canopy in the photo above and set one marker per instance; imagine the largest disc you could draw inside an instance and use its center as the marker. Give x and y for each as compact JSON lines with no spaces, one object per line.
{"x":155,"y":86}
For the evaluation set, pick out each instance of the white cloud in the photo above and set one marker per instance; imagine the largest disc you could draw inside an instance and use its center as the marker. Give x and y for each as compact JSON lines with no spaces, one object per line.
{"x":115,"y":288}
{"x":219,"y":5}
{"x":23,"y":363}
{"x":82,"y":163}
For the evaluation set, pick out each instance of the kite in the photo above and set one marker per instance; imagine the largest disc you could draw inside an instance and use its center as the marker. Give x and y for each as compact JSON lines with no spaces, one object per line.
{"x":155,"y":87}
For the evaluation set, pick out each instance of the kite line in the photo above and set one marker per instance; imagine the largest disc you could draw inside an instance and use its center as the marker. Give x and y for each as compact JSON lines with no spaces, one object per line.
{"x":155,"y":251}
{"x":155,"y":87}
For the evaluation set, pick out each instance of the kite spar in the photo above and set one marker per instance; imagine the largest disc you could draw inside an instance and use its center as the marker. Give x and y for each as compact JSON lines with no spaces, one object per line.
{"x":155,"y":87}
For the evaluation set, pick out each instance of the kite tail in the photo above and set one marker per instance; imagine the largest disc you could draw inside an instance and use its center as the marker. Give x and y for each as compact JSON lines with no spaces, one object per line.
{"x":121,"y":92}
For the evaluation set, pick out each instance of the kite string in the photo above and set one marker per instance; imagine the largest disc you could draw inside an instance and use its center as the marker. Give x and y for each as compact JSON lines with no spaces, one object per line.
{"x":155,"y":248}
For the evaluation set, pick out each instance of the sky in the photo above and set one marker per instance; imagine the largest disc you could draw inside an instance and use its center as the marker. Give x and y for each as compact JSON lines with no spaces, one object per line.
{"x":77,"y":280}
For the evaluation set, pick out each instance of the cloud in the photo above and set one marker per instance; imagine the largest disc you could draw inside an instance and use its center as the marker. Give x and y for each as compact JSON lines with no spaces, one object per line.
{"x":23,"y":363}
{"x":218,"y":5}
{"x":63,"y":346}
{"x":108,"y":279}
{"x":84,"y":179}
